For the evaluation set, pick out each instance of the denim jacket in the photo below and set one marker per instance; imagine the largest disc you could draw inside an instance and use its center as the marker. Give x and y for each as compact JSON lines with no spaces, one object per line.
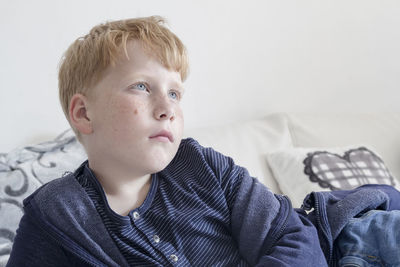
{"x":332,"y":211}
{"x":371,"y":239}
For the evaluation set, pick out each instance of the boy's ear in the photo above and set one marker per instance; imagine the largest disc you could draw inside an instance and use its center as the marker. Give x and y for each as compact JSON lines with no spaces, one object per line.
{"x":78,"y":114}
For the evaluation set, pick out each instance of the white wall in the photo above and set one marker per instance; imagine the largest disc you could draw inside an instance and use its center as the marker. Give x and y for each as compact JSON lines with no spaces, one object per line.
{"x":248,"y":58}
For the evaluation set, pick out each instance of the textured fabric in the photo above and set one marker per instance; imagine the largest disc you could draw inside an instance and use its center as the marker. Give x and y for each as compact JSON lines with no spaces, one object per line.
{"x":213,"y":213}
{"x":372,"y":239}
{"x":332,"y":211}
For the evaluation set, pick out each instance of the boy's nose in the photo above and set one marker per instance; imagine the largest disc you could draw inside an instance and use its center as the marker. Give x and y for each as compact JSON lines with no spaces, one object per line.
{"x":164,"y":111}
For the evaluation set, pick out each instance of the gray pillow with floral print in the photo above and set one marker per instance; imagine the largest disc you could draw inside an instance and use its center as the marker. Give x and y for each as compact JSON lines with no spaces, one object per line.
{"x":23,"y":170}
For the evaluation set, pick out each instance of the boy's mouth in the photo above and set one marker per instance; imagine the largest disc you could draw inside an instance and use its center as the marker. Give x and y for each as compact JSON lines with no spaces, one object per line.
{"x":164,"y":136}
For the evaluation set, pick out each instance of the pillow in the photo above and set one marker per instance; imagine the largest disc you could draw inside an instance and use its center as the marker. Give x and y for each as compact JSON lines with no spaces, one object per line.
{"x":23,"y":170}
{"x":300,"y":171}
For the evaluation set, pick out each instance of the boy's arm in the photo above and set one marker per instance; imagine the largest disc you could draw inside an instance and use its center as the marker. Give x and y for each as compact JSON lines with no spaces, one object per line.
{"x":267,"y":229}
{"x":32,"y":247}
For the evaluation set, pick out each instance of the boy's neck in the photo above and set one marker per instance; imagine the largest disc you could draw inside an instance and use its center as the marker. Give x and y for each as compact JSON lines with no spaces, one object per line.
{"x":123,"y":202}
{"x":124,"y":193}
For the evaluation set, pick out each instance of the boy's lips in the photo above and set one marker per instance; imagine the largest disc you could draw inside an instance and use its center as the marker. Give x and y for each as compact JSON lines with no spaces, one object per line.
{"x":164,"y":134}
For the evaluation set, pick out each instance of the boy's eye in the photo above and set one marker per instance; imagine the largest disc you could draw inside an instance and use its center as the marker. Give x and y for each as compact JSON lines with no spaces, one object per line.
{"x":174,"y":95}
{"x":140,"y":86}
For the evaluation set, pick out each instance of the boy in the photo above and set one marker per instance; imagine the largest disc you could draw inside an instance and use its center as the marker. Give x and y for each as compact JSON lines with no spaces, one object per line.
{"x":145,"y":197}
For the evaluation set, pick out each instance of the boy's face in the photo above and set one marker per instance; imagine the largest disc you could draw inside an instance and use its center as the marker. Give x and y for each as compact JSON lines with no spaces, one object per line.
{"x":134,"y":102}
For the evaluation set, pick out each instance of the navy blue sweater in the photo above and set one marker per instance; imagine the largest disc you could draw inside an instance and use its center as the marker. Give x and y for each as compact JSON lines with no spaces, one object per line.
{"x":202,"y":210}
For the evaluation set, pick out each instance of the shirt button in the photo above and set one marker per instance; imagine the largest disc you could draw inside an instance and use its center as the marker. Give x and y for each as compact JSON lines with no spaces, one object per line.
{"x":136,"y":215}
{"x":174,"y":258}
{"x":156,"y":238}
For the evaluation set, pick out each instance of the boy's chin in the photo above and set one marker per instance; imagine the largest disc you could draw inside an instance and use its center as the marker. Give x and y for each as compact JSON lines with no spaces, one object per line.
{"x":159,"y":162}
{"x":159,"y":166}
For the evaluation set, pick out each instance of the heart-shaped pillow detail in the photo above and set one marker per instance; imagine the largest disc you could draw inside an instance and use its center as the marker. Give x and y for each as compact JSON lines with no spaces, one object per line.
{"x":356,"y":167}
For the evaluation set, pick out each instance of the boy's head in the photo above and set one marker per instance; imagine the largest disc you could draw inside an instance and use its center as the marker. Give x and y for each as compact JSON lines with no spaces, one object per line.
{"x":120,"y":88}
{"x":88,"y":57}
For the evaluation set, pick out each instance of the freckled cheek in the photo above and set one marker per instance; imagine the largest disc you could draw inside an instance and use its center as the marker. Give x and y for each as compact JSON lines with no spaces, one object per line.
{"x":125,"y":113}
{"x":137,"y":108}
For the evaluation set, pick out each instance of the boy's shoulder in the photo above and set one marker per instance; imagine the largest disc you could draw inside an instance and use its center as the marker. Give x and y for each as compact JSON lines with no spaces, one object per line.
{"x":191,"y":148}
{"x":59,"y":194}
{"x":64,"y":203}
{"x":189,"y":142}
{"x":192,"y":155}
{"x":61,"y":208}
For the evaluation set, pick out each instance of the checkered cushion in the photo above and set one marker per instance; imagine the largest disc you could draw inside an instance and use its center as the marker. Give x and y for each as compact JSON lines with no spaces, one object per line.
{"x":299,"y":171}
{"x":355,"y":168}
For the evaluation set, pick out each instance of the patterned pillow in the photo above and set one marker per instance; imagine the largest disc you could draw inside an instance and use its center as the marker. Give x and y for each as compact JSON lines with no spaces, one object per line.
{"x":300,"y":171}
{"x":23,"y":170}
{"x":355,"y":168}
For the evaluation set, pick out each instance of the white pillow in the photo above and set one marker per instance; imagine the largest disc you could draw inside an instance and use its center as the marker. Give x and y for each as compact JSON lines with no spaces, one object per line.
{"x":299,"y":171}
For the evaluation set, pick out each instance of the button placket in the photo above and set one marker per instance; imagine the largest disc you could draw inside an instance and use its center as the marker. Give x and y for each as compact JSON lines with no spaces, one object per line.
{"x":156,"y":238}
{"x":174,"y":258}
{"x":136,"y":215}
